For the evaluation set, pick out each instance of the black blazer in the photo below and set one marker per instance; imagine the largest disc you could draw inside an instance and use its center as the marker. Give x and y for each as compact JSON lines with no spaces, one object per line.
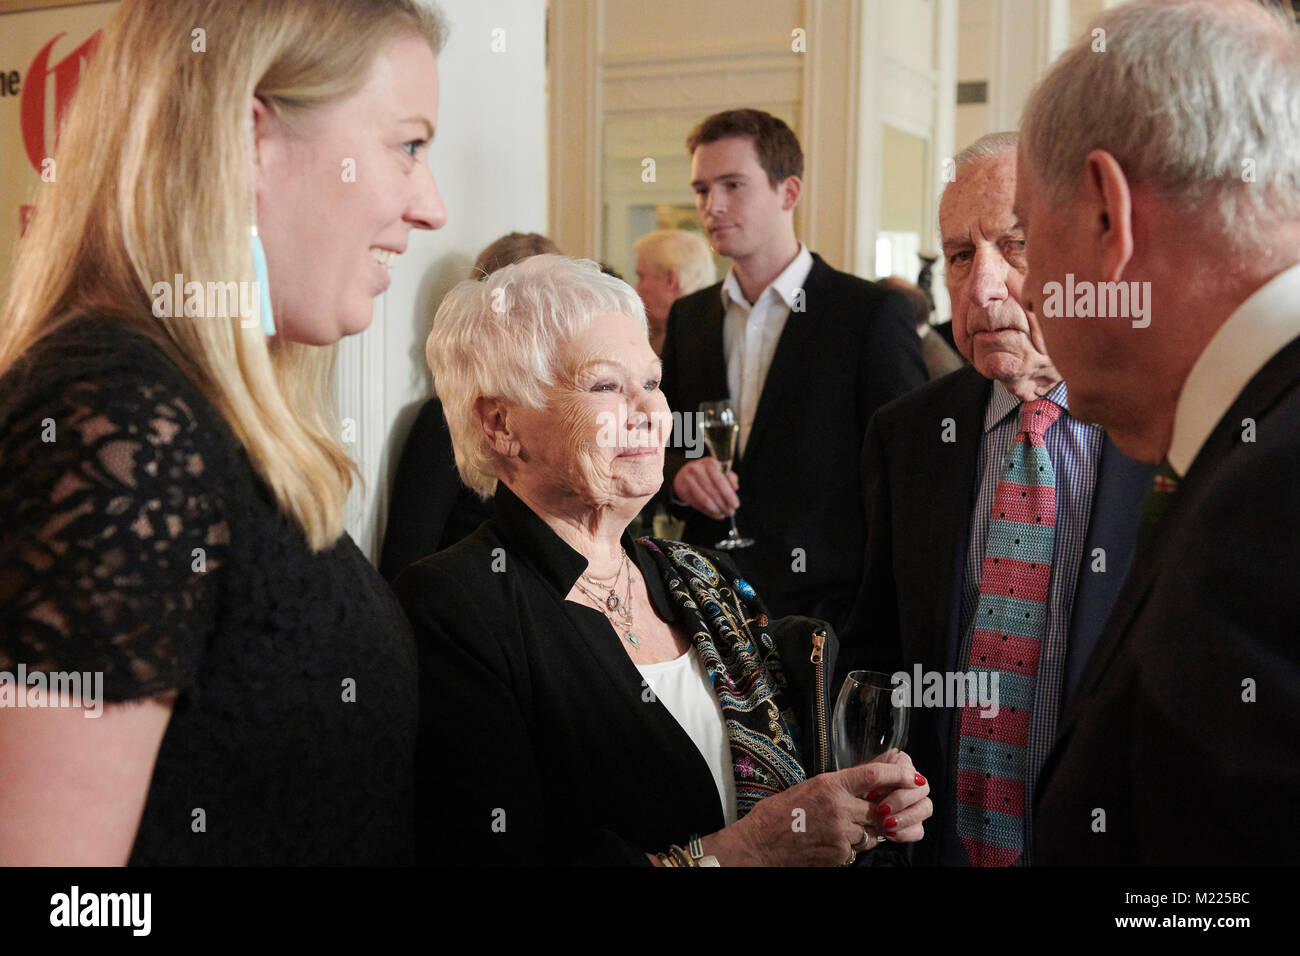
{"x":852,"y":350}
{"x":919,"y":494}
{"x":431,"y":508}
{"x":1159,"y":736}
{"x":531,"y":708}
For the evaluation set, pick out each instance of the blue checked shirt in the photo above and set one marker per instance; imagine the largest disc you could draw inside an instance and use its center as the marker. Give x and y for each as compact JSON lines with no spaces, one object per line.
{"x":1074,"y":449}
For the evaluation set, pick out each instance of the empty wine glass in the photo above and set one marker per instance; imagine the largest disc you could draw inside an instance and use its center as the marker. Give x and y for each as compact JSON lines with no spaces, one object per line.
{"x":870,"y":717}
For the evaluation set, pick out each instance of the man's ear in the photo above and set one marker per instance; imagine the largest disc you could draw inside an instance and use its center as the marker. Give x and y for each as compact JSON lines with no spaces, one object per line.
{"x":1110,"y":211}
{"x":790,"y":188}
{"x":674,"y":283}
{"x":492,"y":415}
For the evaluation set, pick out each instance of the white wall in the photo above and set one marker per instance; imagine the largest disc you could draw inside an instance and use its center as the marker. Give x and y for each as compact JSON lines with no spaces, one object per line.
{"x":489,"y":158}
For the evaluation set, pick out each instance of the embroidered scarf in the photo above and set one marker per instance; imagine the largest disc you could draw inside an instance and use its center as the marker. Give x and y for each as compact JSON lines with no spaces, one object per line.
{"x":727,"y":627}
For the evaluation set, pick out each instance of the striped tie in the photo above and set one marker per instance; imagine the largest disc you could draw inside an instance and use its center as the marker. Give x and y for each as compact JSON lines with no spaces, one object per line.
{"x":1011,"y":621}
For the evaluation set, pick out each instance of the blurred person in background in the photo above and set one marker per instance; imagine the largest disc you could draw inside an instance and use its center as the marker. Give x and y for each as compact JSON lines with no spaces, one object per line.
{"x":670,"y":263}
{"x":939,"y":358}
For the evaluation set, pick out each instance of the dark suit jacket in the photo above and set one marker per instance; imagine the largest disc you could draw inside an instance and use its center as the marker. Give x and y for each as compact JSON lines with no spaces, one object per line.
{"x":919,"y":492}
{"x":431,"y":508}
{"x":1159,"y":736}
{"x":852,"y":350}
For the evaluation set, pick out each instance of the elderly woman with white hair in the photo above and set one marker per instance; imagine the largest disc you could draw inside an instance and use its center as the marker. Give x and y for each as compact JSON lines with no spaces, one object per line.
{"x":587,"y":698}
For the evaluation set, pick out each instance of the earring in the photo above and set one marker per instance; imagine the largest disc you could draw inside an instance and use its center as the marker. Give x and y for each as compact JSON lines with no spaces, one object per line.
{"x":263,"y":283}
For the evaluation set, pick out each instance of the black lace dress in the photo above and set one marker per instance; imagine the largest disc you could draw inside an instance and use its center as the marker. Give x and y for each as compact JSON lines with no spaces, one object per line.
{"x":136,"y":540}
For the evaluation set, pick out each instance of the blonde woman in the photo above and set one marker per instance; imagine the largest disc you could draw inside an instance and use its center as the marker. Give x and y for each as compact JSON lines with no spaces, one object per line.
{"x":171,"y":479}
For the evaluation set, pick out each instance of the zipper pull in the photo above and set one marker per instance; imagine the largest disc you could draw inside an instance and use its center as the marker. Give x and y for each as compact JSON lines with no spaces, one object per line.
{"x":819,"y":642}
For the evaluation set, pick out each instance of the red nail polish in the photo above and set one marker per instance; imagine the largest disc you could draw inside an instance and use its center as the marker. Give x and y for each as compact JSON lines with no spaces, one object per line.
{"x":873,"y":795}
{"x":884,"y":810}
{"x":891,"y":823}
{"x":920,"y":781}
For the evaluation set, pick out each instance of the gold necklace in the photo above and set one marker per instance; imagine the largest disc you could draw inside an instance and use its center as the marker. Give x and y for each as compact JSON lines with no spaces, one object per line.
{"x":611,"y":601}
{"x":611,"y":604}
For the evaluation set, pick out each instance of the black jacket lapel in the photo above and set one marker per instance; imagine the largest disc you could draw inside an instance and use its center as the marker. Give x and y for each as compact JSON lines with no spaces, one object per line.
{"x":796,"y":353}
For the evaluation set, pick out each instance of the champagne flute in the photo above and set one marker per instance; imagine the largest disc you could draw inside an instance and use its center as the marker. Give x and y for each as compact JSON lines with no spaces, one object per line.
{"x":870,"y":719}
{"x":721,"y":431}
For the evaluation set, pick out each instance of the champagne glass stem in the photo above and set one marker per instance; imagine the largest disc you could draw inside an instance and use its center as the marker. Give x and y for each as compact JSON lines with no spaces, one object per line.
{"x":734,"y":534}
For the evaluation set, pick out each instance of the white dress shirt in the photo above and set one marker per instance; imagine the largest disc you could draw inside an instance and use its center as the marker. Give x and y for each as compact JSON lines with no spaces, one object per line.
{"x":1258,"y":329}
{"x":750,"y":334}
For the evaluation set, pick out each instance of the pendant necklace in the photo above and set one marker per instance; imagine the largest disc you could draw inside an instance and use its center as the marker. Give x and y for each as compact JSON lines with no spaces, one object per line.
{"x":611,"y":604}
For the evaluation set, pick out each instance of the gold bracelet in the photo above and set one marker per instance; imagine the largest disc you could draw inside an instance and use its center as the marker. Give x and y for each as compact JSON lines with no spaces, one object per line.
{"x":681,"y":856}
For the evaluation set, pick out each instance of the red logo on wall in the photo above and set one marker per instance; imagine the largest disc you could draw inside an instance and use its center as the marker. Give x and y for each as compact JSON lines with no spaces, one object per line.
{"x":67,"y":74}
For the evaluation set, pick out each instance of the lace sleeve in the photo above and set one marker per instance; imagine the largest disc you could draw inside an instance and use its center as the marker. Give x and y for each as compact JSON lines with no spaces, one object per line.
{"x":113,"y":533}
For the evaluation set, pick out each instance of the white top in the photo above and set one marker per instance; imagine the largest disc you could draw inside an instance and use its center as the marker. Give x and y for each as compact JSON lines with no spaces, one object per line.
{"x":750,"y":334}
{"x":1253,"y":334}
{"x":683,"y":686}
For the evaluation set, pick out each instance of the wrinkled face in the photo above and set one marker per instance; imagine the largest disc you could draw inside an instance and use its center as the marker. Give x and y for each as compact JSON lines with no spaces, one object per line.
{"x":338,"y":197}
{"x":984,"y":253}
{"x":601,"y":437}
{"x":741,"y":211}
{"x":658,"y":290}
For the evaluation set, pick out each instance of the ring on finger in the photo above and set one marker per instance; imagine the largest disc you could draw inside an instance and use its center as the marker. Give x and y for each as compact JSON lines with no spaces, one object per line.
{"x":866,"y":842}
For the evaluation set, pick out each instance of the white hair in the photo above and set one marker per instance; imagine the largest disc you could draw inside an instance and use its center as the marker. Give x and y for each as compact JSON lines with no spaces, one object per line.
{"x":986,"y":147}
{"x":1199,"y":99}
{"x":686,"y":253}
{"x":501,"y":337}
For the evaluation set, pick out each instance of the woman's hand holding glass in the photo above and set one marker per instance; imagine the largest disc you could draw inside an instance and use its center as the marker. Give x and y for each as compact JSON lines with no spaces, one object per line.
{"x":827,"y":820}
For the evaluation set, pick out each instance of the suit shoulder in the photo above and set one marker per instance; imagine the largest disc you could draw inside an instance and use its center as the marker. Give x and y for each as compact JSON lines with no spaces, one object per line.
{"x":847,"y":280}
{"x":952,"y":394}
{"x":462,"y":571}
{"x":699,"y":301}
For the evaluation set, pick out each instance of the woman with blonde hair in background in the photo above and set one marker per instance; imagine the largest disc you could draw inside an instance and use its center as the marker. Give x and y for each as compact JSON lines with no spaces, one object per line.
{"x":171,"y":475}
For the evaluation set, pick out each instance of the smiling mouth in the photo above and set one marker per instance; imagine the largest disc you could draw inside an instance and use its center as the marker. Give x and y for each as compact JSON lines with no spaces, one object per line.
{"x":385,"y":257}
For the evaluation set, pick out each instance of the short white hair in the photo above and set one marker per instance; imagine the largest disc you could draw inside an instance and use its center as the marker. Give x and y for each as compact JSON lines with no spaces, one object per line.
{"x":986,"y":147}
{"x":501,"y":337}
{"x":686,"y":253}
{"x":1188,"y":96}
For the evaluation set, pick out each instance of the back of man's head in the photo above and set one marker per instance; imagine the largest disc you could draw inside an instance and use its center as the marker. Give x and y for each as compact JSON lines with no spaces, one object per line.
{"x":1198,"y":100}
{"x":511,"y":248}
{"x":778,"y":149}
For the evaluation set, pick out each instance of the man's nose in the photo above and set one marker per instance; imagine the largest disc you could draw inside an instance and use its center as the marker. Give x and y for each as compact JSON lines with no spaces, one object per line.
{"x":714,"y":202}
{"x":988,"y":279}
